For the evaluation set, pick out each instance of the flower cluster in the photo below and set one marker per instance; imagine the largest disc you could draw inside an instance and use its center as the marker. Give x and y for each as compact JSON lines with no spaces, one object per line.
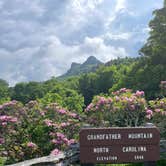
{"x":61,"y":140}
{"x":8,"y":104}
{"x":121,"y":91}
{"x":122,"y":108}
{"x":149,"y":114}
{"x":2,"y":141}
{"x":158,"y":115}
{"x":98,"y":110}
{"x":61,"y":111}
{"x":4,"y":120}
{"x":49,"y":122}
{"x":139,"y":93}
{"x":158,"y":106}
{"x":31,"y":145}
{"x":99,"y":103}
{"x":55,"y":152}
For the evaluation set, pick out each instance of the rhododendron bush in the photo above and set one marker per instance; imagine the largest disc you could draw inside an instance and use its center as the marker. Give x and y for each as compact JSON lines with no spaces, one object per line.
{"x":158,"y":108}
{"x":31,"y":131}
{"x":121,"y":108}
{"x":34,"y":130}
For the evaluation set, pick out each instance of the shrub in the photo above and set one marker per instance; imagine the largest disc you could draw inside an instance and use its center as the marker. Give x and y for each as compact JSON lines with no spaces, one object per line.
{"x":29,"y":131}
{"x":121,"y":108}
{"x":158,"y":107}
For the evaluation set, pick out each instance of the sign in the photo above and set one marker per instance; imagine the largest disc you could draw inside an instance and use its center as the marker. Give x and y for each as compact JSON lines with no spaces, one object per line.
{"x":119,"y":145}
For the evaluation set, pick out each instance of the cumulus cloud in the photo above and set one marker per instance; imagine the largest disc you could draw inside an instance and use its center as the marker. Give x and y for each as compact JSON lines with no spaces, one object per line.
{"x":121,"y":4}
{"x":119,"y":36}
{"x":41,"y":38}
{"x":96,"y":47}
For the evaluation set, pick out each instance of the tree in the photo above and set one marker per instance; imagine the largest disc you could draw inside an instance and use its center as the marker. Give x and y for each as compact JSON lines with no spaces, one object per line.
{"x":88,"y":86}
{"x":155,"y":51}
{"x":155,"y":48}
{"x":151,"y":67}
{"x":65,"y":97}
{"x":3,"y":83}
{"x":25,"y":92}
{"x":4,"y":91}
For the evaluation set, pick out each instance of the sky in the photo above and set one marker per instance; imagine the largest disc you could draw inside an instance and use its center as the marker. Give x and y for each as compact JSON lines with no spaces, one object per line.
{"x":41,"y":38}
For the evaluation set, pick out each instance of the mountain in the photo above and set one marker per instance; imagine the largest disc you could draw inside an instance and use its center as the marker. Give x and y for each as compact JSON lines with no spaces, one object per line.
{"x":91,"y":61}
{"x":89,"y":65}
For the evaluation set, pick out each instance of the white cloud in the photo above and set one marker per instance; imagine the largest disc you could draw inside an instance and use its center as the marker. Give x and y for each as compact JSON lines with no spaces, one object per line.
{"x":121,"y":4}
{"x":96,"y":47}
{"x":41,"y":38}
{"x":55,"y":58}
{"x":119,"y":36}
{"x":79,"y":14}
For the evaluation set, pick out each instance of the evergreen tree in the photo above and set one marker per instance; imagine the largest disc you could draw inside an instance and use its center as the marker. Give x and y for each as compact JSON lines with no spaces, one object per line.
{"x":155,"y":48}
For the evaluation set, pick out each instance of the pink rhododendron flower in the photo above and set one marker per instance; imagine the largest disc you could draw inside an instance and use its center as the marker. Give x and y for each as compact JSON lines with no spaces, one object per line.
{"x":110,"y":100}
{"x":4,"y":123}
{"x":157,"y":110}
{"x":148,"y":116}
{"x":73,"y":115}
{"x":60,"y":135}
{"x":48,"y":122}
{"x":117,"y":98}
{"x":123,"y":90}
{"x":5,"y":118}
{"x":64,"y":124}
{"x":52,"y":134}
{"x":54,"y":141}
{"x":149,"y":112}
{"x":162,"y":103}
{"x":132,"y":107}
{"x":62,"y":111}
{"x":55,"y":152}
{"x":13,"y":120}
{"x":139,"y":93}
{"x":31,"y":145}
{"x":42,"y":113}
{"x":115,"y":93}
{"x":2,"y":141}
{"x":130,"y":100}
{"x":71,"y":141}
{"x":65,"y":140}
{"x":9,"y":104}
{"x":102,"y":100}
{"x":89,"y":107}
